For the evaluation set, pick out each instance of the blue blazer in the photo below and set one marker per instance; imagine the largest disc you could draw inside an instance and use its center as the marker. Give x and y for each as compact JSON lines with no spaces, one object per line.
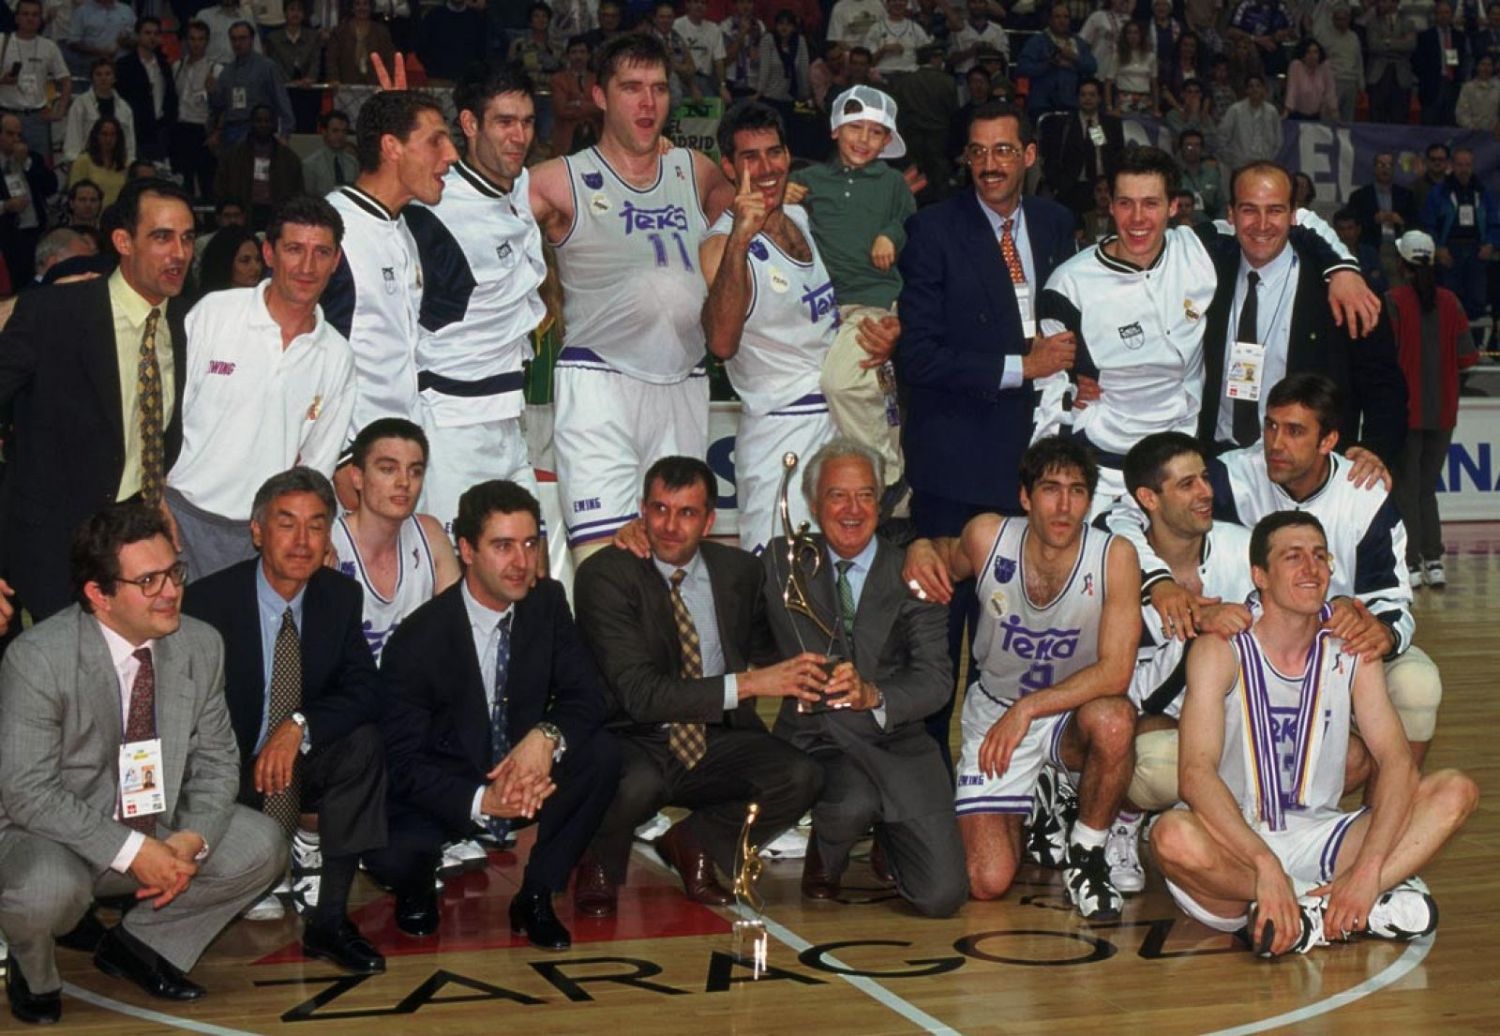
{"x":963,"y":437}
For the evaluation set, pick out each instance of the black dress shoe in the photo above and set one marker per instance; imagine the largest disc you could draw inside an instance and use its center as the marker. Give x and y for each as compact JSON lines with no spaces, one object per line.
{"x":531,"y":912}
{"x":342,"y":944}
{"x":85,"y":935}
{"x":121,"y":955}
{"x":417,"y":912}
{"x":36,"y":1008}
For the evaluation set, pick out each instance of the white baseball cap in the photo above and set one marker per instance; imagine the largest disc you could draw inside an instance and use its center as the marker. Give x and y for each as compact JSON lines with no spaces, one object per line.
{"x":1415,"y":246}
{"x":867,"y":103}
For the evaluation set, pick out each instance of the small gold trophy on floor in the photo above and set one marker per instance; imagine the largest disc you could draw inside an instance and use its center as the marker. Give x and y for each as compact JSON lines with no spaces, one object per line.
{"x":749,"y":941}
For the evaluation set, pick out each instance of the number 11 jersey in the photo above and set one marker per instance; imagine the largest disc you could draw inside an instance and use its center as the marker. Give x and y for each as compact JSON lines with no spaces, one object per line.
{"x":632,"y":291}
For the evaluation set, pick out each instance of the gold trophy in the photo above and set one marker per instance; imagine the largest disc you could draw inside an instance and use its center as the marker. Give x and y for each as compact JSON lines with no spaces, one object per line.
{"x":749,"y":941}
{"x":804,"y":560}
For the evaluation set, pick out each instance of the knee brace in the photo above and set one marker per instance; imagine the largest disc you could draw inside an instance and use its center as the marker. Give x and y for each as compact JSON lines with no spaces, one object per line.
{"x":1415,"y":688}
{"x":1153,"y":786}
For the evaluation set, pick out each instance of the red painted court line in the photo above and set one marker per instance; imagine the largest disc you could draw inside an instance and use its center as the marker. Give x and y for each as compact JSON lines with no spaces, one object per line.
{"x":475,"y":914}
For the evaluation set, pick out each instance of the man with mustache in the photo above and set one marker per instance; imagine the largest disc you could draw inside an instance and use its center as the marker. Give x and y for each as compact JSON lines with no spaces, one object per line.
{"x":93,"y":373}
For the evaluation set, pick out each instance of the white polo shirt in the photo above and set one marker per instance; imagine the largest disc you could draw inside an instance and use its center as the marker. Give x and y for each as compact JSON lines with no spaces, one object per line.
{"x":251,"y":408}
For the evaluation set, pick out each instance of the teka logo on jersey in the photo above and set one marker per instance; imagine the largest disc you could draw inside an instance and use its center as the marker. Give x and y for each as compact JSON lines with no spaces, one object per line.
{"x":820,"y":301}
{"x":1039,"y":645}
{"x":668,"y":217}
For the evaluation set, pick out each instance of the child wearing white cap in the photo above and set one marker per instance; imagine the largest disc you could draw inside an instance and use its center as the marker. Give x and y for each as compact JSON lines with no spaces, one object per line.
{"x":858,"y":207}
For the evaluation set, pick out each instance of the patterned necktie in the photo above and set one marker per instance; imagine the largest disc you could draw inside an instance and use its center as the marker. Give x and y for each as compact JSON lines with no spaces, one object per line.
{"x":148,"y":390}
{"x":1247,"y":411}
{"x":338,"y":172}
{"x":688,"y":741}
{"x":140,"y":725}
{"x":1009,"y":254}
{"x":286,"y":698}
{"x":500,"y":717}
{"x":846,"y":597}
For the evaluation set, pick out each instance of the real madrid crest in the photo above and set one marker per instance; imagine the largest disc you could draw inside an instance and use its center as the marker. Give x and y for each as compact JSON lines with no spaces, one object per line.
{"x":1188,"y":310}
{"x":779,"y":283}
{"x":599,"y":203}
{"x":998,"y":605}
{"x":315,"y":409}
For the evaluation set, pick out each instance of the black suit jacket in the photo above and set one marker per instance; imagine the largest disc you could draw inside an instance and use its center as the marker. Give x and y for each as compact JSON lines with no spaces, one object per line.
{"x":959,"y":321}
{"x":1366,"y":369}
{"x":339,"y":681}
{"x":1364,"y":204}
{"x":42,"y":183}
{"x":1427,"y":62}
{"x":1067,"y":151}
{"x":437,"y":723}
{"x":625,"y":615}
{"x":60,"y":372}
{"x":133,"y":85}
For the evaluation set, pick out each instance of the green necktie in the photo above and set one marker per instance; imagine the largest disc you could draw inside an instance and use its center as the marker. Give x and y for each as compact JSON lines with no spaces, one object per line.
{"x":846,"y":597}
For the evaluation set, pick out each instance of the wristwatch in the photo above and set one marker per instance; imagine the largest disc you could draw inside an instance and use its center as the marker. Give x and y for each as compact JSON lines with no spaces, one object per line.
{"x":551,"y":733}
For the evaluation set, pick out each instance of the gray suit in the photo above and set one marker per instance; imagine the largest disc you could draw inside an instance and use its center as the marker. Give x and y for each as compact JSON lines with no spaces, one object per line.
{"x":60,"y":735}
{"x":892,"y":776}
{"x":317,"y":170}
{"x":1389,"y":46}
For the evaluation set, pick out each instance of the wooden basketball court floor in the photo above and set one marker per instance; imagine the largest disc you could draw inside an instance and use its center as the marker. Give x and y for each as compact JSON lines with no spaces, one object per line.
{"x":1025,"y":964}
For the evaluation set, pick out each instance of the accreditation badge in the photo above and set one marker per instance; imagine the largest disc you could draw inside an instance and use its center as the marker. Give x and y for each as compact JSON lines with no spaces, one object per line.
{"x":142,"y":782}
{"x":1247,"y":366}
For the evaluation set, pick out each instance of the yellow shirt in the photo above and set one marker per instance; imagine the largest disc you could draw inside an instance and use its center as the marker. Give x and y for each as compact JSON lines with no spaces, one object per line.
{"x":130,"y":312}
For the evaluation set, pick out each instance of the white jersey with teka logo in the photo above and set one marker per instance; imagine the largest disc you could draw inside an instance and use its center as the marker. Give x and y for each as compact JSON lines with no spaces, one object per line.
{"x":632,"y":292}
{"x":1021,"y":647}
{"x":415,"y":577}
{"x":791,"y":321}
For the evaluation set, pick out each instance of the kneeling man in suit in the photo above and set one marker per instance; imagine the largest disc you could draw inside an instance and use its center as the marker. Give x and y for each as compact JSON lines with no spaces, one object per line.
{"x":493,"y":718}
{"x":90,"y":699}
{"x":879,"y":763}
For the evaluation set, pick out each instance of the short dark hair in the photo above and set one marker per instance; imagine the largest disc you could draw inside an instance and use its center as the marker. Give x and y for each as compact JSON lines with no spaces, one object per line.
{"x":94,"y":556}
{"x":1146,"y":463}
{"x":388,"y":113}
{"x":1091,"y":81}
{"x":230,"y":202}
{"x":682,"y":473}
{"x":1058,"y":453}
{"x":99,"y":63}
{"x":300,"y":479}
{"x":1255,"y":77}
{"x":331,"y":115}
{"x":489,"y":82}
{"x":20,"y":2}
{"x":79,"y":185}
{"x":139,"y":166}
{"x":746,"y":116}
{"x":1345,"y":215}
{"x":128,"y":204}
{"x":487,"y":498}
{"x":1189,"y":132}
{"x":145,"y":20}
{"x":196,"y":25}
{"x":387,"y":428}
{"x":1438,"y":146}
{"x":633,"y":48}
{"x":991,"y":110}
{"x":1318,"y":392}
{"x":1147,"y":161}
{"x":1260,"y":536}
{"x":241,"y":24}
{"x":866,"y":51}
{"x":538,"y":5}
{"x":305,"y":211}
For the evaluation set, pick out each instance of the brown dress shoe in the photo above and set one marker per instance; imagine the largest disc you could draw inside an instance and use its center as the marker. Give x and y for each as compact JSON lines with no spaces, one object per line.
{"x":680,"y":851}
{"x":594,"y":894}
{"x":816,"y":884}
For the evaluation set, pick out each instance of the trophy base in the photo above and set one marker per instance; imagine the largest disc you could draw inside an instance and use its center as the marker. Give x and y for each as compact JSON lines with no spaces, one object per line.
{"x":750,"y":944}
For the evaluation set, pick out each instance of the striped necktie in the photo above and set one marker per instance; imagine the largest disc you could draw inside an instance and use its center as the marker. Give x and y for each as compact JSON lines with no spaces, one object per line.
{"x":688,"y":741}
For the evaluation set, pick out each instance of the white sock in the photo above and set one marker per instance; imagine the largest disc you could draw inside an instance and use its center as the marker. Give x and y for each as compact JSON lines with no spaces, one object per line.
{"x":1127,"y":818}
{"x":1086,"y":837}
{"x":308,"y":838}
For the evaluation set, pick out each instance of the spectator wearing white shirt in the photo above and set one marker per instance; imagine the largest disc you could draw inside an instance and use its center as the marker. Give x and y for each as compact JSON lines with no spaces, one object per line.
{"x":743,"y":35}
{"x":705,"y":44}
{"x":850,"y":21}
{"x":1479,"y":98}
{"x":220,"y":20}
{"x":1251,"y":128}
{"x":100,"y":99}
{"x":193,"y":74}
{"x":269,"y":385}
{"x":1101,"y":31}
{"x":977,"y":30}
{"x":895,"y":39}
{"x":28,"y":62}
{"x":99,"y":29}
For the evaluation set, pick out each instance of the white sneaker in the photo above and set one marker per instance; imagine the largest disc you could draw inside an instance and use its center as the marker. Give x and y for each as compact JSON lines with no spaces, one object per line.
{"x":1086,"y":878}
{"x":267,"y":909}
{"x":1054,"y":808}
{"x":791,"y":844}
{"x":1311,"y":935}
{"x":467,"y":855}
{"x":654,"y":828}
{"x":1415,"y":575}
{"x":1405,"y":912}
{"x":1122,"y":853}
{"x":1434,"y":574}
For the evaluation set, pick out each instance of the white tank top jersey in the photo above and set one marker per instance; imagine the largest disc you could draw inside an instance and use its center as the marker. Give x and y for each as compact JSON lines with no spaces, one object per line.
{"x":791,"y":321}
{"x":633,"y":294}
{"x":1021,"y":648}
{"x":1333,"y":686}
{"x":414,"y":580}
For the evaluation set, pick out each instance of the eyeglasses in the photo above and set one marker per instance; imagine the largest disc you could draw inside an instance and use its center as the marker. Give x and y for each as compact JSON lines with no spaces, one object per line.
{"x":152,"y":583}
{"x":979,"y":154}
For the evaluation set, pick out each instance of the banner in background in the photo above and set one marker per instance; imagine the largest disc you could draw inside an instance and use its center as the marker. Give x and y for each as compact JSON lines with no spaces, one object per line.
{"x":696,"y":125}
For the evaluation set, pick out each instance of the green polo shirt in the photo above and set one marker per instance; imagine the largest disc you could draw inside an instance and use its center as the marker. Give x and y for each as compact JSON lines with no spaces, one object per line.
{"x":849,"y":208}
